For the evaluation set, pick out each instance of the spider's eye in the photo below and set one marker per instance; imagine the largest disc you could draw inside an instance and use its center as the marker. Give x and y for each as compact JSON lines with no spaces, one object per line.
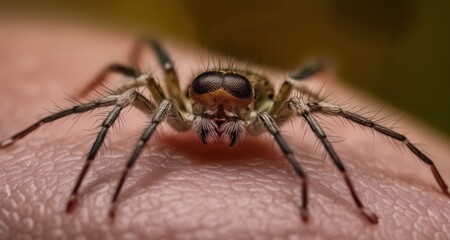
{"x":207,"y":82}
{"x":237,"y":85}
{"x":234,"y":84}
{"x":219,"y":88}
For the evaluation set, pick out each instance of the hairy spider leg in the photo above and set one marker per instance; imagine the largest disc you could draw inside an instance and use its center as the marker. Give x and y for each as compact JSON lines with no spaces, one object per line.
{"x":141,"y":80}
{"x":273,"y":129}
{"x":79,"y":108}
{"x":266,"y":104}
{"x":299,"y":107}
{"x":175,"y":110}
{"x":102,"y":75}
{"x":121,"y":97}
{"x":281,"y":111}
{"x":125,"y":99}
{"x":158,"y":117}
{"x":331,"y":109}
{"x":293,"y":82}
{"x":138,"y":79}
{"x":173,"y":85}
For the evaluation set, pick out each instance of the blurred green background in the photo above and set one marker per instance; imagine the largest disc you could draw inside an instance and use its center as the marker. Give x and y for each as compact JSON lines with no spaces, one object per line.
{"x":397,"y":50}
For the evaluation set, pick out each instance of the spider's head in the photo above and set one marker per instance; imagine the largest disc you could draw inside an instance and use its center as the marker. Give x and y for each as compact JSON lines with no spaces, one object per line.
{"x":221,"y":94}
{"x":222,"y":99}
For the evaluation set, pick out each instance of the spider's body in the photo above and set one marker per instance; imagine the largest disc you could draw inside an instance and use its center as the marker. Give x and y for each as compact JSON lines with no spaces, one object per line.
{"x":220,"y":103}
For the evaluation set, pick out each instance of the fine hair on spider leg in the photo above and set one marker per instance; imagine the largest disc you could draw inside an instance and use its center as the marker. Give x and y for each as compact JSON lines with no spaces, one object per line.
{"x":331,"y":109}
{"x":222,"y":103}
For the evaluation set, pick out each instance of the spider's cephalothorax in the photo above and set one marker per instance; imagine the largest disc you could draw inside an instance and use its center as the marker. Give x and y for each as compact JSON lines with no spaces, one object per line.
{"x":221,"y":99}
{"x":222,"y":103}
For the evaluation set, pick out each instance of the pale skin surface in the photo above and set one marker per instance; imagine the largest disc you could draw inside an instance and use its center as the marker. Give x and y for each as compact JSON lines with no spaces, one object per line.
{"x":181,"y":188}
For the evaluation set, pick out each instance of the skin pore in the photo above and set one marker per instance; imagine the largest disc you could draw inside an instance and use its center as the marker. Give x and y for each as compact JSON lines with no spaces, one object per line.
{"x":181,"y":188}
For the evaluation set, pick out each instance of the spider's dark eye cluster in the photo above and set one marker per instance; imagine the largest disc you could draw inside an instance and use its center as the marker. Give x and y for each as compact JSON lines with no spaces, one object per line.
{"x":234,"y":84}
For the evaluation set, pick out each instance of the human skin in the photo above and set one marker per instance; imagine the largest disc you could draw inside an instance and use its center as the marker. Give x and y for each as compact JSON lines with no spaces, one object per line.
{"x":180,"y":188}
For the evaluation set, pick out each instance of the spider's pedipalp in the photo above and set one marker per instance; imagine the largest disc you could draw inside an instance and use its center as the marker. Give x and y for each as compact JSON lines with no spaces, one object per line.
{"x":206,"y":129}
{"x":232,"y":132}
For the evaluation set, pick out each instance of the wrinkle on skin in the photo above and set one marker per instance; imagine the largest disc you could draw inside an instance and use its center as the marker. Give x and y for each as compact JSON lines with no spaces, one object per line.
{"x":179,"y":187}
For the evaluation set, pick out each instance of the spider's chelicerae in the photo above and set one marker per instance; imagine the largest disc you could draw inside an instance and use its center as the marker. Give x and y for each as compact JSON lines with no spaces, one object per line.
{"x":222,"y":103}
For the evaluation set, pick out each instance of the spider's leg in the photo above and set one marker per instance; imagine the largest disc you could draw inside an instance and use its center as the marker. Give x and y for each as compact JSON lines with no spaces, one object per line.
{"x":272,"y":127}
{"x":127,"y":97}
{"x":141,"y":80}
{"x":173,"y":85}
{"x":158,"y":115}
{"x":332,"y":109}
{"x":303,"y":110}
{"x":80,"y":108}
{"x":101,"y":76}
{"x":123,"y":100}
{"x":295,"y":82}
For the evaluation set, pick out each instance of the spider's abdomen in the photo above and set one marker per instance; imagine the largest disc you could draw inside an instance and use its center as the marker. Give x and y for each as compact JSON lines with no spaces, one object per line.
{"x":215,"y":88}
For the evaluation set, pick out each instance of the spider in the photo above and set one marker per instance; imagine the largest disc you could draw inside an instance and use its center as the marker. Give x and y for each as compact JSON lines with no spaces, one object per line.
{"x":221,"y":103}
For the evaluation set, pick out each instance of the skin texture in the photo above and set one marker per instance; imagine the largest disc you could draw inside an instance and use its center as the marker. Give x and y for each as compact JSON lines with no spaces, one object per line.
{"x":180,"y":188}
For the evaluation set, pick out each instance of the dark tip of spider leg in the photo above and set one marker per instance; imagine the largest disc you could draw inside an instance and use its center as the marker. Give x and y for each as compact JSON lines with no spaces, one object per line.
{"x":73,"y":199}
{"x":447,"y":194}
{"x":370,"y":216}
{"x":440,"y":180}
{"x":304,"y":214}
{"x":72,"y":204}
{"x":112,"y":214}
